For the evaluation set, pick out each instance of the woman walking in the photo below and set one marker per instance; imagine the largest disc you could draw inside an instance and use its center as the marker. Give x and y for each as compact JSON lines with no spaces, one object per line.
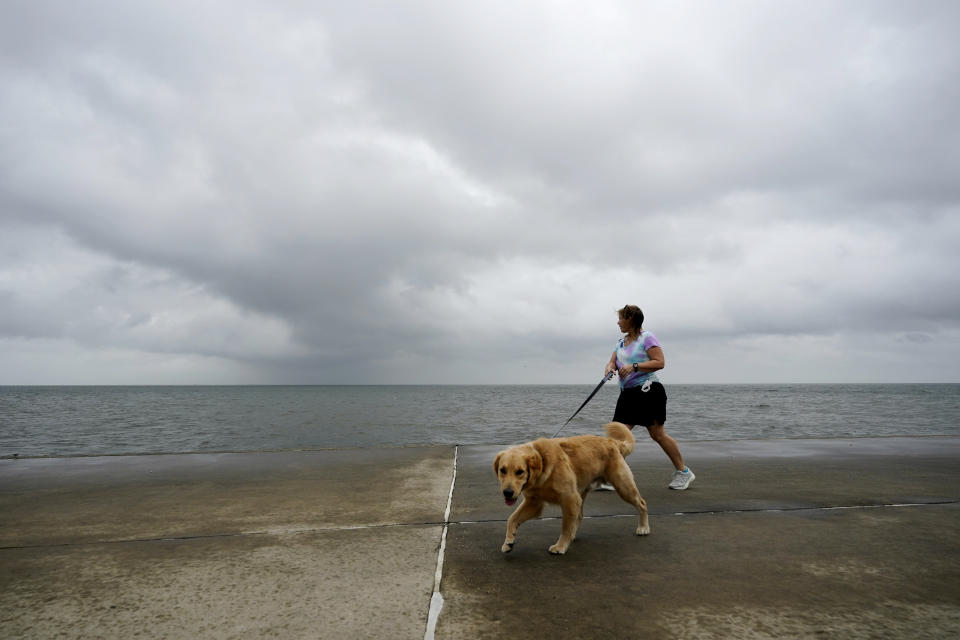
{"x":643,"y":400}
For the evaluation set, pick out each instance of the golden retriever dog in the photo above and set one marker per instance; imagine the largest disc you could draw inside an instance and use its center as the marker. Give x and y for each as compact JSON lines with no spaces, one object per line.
{"x":561,"y":471}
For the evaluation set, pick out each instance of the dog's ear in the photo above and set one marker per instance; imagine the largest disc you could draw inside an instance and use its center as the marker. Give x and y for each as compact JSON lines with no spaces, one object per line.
{"x":496,"y":464}
{"x":540,"y":462}
{"x":534,"y":465}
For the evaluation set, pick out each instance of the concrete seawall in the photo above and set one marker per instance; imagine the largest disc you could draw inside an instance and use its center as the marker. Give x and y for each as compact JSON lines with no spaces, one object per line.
{"x":837,"y":538}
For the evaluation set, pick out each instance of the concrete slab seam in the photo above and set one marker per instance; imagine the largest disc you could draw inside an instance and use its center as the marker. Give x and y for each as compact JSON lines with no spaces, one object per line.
{"x":436,"y":599}
{"x":734,"y":511}
{"x":828,"y":508}
{"x":238,"y":534}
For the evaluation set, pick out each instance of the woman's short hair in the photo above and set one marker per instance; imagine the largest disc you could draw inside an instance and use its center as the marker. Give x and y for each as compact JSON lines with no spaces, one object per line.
{"x":632,"y":313}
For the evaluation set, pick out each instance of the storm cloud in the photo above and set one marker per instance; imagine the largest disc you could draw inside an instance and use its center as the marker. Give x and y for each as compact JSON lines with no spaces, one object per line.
{"x":373,"y":192}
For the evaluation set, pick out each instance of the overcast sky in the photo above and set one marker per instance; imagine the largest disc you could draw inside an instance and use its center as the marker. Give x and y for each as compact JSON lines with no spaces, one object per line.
{"x":465,"y":192}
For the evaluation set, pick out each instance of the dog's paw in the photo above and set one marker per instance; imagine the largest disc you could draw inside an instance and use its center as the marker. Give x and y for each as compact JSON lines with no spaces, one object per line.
{"x":557,"y":550}
{"x":507,"y":547}
{"x":643,"y":531}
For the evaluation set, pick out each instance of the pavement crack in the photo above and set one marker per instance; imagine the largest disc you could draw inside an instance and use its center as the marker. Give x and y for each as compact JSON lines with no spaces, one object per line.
{"x":233,"y":534}
{"x":896,"y":505}
{"x":732,"y":511}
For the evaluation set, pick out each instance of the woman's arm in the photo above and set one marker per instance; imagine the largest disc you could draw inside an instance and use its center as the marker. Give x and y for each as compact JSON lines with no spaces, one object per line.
{"x":655,"y":363}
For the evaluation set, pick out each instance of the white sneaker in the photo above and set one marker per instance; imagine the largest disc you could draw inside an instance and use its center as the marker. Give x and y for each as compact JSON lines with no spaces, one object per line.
{"x":682,"y":479}
{"x":596,"y":485}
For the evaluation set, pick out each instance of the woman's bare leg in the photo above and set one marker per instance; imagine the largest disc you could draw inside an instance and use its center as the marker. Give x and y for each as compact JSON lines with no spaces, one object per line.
{"x":668,"y":444}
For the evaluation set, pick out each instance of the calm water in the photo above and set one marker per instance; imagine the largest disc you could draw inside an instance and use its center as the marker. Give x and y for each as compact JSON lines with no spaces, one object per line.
{"x":56,"y":421}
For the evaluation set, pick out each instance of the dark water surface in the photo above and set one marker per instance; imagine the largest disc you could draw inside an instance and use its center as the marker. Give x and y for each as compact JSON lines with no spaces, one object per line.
{"x":56,"y":421}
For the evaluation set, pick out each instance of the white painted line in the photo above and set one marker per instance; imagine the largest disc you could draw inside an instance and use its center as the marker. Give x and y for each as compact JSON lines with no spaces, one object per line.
{"x":436,"y":600}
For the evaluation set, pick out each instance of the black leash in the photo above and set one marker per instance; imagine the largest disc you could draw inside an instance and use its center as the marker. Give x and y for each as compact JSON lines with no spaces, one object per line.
{"x":592,"y":393}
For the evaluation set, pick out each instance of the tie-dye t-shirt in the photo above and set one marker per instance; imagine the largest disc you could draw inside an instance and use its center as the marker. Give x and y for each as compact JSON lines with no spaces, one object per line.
{"x":636,"y":351}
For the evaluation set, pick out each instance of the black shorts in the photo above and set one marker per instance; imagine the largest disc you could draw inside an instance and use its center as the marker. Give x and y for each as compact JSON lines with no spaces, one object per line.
{"x":635,"y":406}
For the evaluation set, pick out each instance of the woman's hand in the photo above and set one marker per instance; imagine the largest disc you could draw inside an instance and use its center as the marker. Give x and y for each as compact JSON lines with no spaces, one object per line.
{"x":611,"y":365}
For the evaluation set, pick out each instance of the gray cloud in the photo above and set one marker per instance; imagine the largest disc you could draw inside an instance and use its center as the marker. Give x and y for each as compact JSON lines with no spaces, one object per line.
{"x":310,"y":192}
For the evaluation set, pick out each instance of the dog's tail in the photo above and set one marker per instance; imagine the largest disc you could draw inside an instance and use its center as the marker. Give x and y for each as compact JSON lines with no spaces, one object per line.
{"x":622,"y":434}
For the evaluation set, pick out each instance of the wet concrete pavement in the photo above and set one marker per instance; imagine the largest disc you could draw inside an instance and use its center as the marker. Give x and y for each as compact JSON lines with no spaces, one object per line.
{"x":782,"y":538}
